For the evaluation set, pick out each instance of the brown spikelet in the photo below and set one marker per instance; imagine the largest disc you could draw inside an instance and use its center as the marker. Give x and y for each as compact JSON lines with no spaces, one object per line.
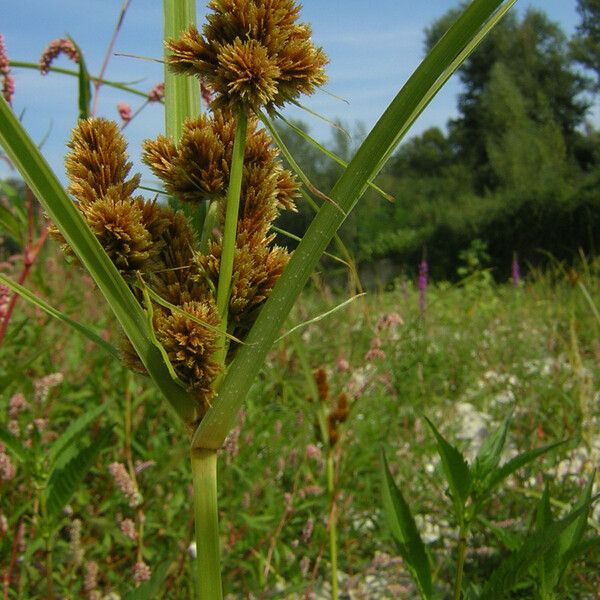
{"x":256,"y":268}
{"x":320,"y":376}
{"x":98,"y":160}
{"x":118,"y":225}
{"x":337,"y":416}
{"x":252,"y":53}
{"x":197,"y":168}
{"x":191,"y":347}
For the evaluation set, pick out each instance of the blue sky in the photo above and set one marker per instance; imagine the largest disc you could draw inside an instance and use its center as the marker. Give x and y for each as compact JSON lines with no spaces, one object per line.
{"x":372,"y":52}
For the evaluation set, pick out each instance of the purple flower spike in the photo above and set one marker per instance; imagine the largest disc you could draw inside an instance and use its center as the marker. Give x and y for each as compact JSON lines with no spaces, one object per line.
{"x":515,"y":271}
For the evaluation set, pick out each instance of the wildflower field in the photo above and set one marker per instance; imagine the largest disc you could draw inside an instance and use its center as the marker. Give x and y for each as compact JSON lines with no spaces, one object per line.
{"x":479,"y":351}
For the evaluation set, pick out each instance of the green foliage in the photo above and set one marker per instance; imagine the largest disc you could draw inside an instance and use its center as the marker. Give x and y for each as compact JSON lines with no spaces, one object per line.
{"x":66,"y":478}
{"x":456,"y":472}
{"x":515,"y":168}
{"x":549,"y":548}
{"x":585,"y":45}
{"x":466,"y":351}
{"x":405,"y":532}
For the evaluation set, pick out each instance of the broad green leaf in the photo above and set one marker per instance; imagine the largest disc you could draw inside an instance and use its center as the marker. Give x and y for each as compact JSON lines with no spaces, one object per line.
{"x":17,"y":201}
{"x":182,"y":95}
{"x":149,"y":590}
{"x":10,"y":225}
{"x":405,"y":532}
{"x":64,"y":481}
{"x":549,"y":562}
{"x":74,"y":432}
{"x":515,"y":568}
{"x":504,"y":536}
{"x":516,"y":463}
{"x":14,"y":445}
{"x":47,"y":188}
{"x":456,"y":471}
{"x":571,"y":537}
{"x":453,"y":48}
{"x":53,"y":312}
{"x":490,"y":453}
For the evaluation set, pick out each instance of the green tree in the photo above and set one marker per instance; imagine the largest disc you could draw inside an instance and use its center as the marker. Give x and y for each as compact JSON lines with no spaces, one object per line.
{"x":585,"y":45}
{"x":535,"y":53}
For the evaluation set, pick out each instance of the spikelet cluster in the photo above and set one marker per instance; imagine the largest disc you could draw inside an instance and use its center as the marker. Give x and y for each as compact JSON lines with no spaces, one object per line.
{"x":141,"y":235}
{"x":252,"y":53}
{"x":197,"y":169}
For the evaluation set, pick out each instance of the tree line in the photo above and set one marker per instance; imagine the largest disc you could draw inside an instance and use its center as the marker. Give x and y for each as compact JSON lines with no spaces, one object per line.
{"x":516,"y":172}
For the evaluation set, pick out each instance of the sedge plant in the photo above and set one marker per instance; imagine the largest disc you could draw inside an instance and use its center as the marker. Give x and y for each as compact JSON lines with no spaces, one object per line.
{"x":197,"y":287}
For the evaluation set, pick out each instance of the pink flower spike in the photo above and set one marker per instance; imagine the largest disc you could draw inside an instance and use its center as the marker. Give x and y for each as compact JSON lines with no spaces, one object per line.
{"x":8,"y":83}
{"x":157,"y":93}
{"x":54,"y":48}
{"x":125,"y":111}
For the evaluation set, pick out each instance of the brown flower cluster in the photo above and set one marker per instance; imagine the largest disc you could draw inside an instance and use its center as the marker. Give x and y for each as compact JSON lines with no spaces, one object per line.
{"x":197,"y":169}
{"x":143,"y":236}
{"x":338,"y":409}
{"x":252,"y":53}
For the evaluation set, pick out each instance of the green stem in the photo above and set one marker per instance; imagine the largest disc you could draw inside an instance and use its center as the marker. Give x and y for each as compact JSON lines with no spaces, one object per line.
{"x":47,"y":537}
{"x":204,"y":476}
{"x":182,"y":94}
{"x":230,"y":229}
{"x":460,"y":563}
{"x":332,"y":524}
{"x":115,"y":84}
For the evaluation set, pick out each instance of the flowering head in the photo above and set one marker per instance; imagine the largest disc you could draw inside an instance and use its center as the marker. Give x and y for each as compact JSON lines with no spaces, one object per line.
{"x":251,"y":53}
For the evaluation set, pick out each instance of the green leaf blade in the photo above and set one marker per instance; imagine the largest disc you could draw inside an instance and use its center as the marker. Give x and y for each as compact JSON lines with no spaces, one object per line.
{"x":47,"y":188}
{"x":489,"y":455}
{"x":515,"y":568}
{"x":74,"y":432}
{"x":405,"y":532}
{"x":64,"y":481}
{"x":455,"y":469}
{"x":517,"y":462}
{"x":182,"y":94}
{"x":462,"y":38}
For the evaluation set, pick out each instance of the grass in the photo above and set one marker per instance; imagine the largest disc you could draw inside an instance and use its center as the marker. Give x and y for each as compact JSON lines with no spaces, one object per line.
{"x":480,"y":350}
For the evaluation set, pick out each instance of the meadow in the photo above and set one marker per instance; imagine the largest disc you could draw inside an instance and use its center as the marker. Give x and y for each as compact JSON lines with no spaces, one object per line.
{"x":477,"y":351}
{"x":199,"y":399}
